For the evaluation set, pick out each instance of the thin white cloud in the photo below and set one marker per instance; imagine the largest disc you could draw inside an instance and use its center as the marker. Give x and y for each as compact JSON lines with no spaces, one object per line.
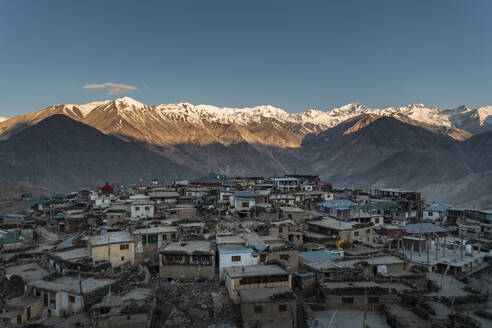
{"x":112,"y":88}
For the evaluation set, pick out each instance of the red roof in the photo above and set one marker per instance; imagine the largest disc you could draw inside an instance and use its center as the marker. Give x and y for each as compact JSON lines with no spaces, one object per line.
{"x":107,"y":186}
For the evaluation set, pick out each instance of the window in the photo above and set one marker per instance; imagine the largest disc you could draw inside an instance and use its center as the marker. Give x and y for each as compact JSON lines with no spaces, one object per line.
{"x":174,"y":258}
{"x":202,"y":259}
{"x":258,"y":309}
{"x":284,"y":257}
{"x":356,"y":233}
{"x":52,"y":296}
{"x":377,"y":220}
{"x":236,"y":258}
{"x":124,"y":246}
{"x":282,"y":307}
{"x":173,"y":236}
{"x":137,"y":208}
{"x":122,"y":258}
{"x":347,"y":300}
{"x":147,"y":208}
{"x":245,"y":204}
{"x":431,"y":214}
{"x":373,"y":300}
{"x":71,"y":298}
{"x":152,"y":239}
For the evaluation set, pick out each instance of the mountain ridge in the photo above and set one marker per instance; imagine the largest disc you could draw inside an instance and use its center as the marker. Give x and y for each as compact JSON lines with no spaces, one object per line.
{"x":163,"y":124}
{"x":364,"y":151}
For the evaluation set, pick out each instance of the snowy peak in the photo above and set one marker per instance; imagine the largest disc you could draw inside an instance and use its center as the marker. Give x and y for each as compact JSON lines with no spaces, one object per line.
{"x":484,"y":115}
{"x":184,"y":122}
{"x":2,"y":119}
{"x":130,"y":103}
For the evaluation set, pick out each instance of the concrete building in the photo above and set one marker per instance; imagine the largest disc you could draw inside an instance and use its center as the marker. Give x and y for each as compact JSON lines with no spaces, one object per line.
{"x":187,"y":260}
{"x":69,"y":295}
{"x":436,"y":212}
{"x":21,"y":310}
{"x":142,"y":209}
{"x":353,"y":295}
{"x":446,"y":255}
{"x":253,"y":277}
{"x":147,"y":241}
{"x":244,"y":201}
{"x":341,"y":230}
{"x":236,"y":256}
{"x":116,"y":247}
{"x":286,"y":184}
{"x":263,"y":306}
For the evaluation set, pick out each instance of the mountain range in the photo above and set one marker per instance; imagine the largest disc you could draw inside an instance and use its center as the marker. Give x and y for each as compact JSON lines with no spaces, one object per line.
{"x":124,"y":140}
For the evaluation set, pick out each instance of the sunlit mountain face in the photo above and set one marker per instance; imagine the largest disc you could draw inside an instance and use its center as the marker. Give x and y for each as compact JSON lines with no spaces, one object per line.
{"x":411,"y":146}
{"x":171,"y":124}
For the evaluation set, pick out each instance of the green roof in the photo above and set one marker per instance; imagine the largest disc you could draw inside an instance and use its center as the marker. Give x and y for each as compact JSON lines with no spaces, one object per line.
{"x":7,"y":237}
{"x":383,"y":205}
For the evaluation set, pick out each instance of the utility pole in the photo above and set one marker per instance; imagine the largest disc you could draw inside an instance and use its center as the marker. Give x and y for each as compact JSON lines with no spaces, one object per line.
{"x":428,"y":248}
{"x":364,"y":325}
{"x":461,"y":246}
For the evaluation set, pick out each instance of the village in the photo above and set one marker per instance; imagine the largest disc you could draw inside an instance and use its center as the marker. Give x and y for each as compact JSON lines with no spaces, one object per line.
{"x":289,"y":251}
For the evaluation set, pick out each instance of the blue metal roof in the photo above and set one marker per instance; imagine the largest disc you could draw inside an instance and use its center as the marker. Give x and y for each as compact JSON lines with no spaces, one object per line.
{"x":338,"y":203}
{"x":13,"y":216}
{"x":437,"y":208}
{"x":319,"y":256}
{"x":243,"y":194}
{"x":285,"y":179}
{"x":67,"y":242}
{"x":234,"y":250}
{"x":257,"y":244}
{"x":417,"y":228}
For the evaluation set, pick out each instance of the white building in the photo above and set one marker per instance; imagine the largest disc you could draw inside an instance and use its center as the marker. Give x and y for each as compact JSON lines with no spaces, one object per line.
{"x":142,"y":209}
{"x":244,"y":202}
{"x":435,"y":212}
{"x":236,"y":256}
{"x":66,"y":295}
{"x":226,"y":196}
{"x":286,"y":184}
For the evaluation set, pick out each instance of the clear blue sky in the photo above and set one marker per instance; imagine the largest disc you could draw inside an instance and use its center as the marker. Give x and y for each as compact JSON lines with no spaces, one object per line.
{"x":294,"y":55}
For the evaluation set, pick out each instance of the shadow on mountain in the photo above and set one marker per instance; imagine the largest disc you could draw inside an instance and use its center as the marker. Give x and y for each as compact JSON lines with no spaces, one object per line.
{"x":62,"y":154}
{"x":367,"y":151}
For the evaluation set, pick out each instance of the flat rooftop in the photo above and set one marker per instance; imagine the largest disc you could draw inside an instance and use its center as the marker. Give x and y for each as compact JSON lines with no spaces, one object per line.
{"x":365,"y":284}
{"x":189,"y":247}
{"x":262,"y":294}
{"x":115,"y":237}
{"x":28,"y":272}
{"x":332,"y":224}
{"x":254,"y":271}
{"x":234,"y":250}
{"x":443,"y":255}
{"x":168,"y":229}
{"x":71,"y":284}
{"x":220,"y":240}
{"x":349,"y":264}
{"x":73,"y":254}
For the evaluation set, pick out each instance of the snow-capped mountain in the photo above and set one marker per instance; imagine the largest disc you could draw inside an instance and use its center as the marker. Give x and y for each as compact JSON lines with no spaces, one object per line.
{"x":171,"y":124}
{"x":348,"y":145}
{"x":2,"y":119}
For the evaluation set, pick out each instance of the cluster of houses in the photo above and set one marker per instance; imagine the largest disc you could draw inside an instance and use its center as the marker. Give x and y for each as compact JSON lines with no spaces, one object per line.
{"x":285,"y":250}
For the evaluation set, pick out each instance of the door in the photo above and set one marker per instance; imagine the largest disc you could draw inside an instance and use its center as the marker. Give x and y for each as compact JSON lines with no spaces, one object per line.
{"x":28,"y":313}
